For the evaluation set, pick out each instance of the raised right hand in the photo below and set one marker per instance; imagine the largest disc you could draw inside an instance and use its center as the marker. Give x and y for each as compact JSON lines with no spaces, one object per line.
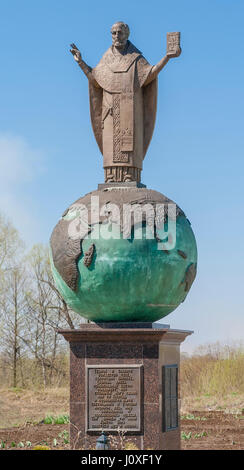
{"x":75,"y":52}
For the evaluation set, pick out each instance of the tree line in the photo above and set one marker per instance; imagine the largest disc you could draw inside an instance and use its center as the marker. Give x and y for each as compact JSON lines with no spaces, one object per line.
{"x":31,"y":312}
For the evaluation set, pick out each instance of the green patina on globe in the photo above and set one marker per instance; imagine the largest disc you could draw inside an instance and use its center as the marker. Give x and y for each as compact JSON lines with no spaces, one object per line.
{"x":130,"y":279}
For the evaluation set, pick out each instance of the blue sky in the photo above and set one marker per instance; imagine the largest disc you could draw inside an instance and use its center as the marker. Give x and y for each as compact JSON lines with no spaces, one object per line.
{"x":49,"y":157}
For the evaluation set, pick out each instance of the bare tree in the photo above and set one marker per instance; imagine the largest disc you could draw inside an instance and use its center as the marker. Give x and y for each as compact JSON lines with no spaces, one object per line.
{"x":12,"y":302}
{"x":12,"y":308}
{"x":46,"y":313}
{"x":11,"y":245}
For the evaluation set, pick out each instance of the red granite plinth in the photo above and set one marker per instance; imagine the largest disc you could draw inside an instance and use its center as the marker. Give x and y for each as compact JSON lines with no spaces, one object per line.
{"x":142,"y":347}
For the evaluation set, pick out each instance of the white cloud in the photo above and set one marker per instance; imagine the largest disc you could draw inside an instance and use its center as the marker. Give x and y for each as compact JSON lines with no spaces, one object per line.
{"x":20,"y":164}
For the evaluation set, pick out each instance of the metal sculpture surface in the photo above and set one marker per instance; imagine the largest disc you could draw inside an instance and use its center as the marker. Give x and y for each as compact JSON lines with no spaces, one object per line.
{"x":123,"y":102}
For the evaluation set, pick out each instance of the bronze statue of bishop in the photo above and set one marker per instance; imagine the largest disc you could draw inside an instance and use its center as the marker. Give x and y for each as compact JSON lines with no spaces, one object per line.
{"x":123,"y":102}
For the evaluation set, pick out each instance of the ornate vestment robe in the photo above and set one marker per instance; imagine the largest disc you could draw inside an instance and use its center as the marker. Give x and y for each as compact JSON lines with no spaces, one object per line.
{"x":123,"y":111}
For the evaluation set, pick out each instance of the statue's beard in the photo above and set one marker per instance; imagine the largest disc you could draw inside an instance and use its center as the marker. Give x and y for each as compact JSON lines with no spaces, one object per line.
{"x":120,"y":44}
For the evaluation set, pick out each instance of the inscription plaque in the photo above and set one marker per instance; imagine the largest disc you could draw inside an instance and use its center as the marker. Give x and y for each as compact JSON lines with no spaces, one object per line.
{"x":113,"y":398}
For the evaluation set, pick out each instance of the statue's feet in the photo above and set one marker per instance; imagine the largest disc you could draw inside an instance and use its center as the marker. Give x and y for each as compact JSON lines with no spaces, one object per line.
{"x":110,"y":178}
{"x":127,"y":178}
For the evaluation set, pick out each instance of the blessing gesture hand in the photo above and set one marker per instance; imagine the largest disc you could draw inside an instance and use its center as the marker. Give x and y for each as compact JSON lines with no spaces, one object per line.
{"x":75,"y":52}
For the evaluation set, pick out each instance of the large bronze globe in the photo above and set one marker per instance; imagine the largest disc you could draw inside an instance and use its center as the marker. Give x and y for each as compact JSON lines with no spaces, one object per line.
{"x":104,"y":276}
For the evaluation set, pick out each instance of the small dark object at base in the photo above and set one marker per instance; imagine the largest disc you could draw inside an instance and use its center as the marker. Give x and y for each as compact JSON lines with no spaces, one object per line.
{"x":102,"y":442}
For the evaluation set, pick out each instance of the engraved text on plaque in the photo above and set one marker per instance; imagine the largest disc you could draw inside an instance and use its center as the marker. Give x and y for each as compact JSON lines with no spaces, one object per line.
{"x":113,"y":398}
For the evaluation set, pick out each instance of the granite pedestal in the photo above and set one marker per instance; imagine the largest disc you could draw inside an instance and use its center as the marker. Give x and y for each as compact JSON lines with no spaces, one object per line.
{"x":124,"y":381}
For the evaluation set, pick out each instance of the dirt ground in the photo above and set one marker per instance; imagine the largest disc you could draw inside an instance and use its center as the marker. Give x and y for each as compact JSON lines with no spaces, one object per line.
{"x":214,"y":430}
{"x":208,"y":427}
{"x":51,"y":435}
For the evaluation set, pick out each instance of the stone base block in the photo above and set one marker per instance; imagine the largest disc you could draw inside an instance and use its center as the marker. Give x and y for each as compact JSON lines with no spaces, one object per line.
{"x":124,"y":381}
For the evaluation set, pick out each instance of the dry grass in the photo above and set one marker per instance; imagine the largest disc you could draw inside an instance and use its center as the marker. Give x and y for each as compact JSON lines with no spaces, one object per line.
{"x":233,"y":403}
{"x":30,"y":372}
{"x":18,"y":406}
{"x":206,"y":375}
{"x":213,"y":379}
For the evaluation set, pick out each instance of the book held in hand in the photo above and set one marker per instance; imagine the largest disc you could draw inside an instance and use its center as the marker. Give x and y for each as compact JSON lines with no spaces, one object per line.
{"x":173,"y":42}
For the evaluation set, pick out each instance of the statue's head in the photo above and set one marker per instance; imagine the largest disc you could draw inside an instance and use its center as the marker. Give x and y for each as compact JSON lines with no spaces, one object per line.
{"x":120,"y":33}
